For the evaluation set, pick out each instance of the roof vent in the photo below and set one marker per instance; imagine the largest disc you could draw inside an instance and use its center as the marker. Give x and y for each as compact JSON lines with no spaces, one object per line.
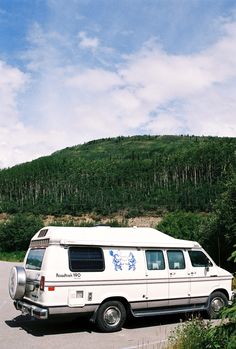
{"x":42,"y":233}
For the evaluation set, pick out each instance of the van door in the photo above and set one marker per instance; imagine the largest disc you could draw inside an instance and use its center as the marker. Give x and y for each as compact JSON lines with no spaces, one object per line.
{"x":179,"y":278}
{"x":157,"y":279}
{"x":203,"y":275}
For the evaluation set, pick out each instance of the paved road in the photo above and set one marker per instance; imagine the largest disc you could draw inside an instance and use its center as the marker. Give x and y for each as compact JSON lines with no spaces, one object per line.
{"x":21,"y":332}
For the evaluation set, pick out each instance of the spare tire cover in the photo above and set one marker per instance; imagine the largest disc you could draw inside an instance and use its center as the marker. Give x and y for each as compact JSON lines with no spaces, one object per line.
{"x":17,"y":282}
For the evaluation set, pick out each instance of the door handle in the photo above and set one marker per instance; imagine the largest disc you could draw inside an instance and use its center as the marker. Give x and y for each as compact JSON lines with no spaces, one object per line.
{"x":172,"y":274}
{"x":193,"y":273}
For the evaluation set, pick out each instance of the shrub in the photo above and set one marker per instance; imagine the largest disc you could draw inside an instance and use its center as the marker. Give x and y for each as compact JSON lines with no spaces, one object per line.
{"x":198,"y":334}
{"x":17,"y":256}
{"x":183,"y":225}
{"x":16,"y":233}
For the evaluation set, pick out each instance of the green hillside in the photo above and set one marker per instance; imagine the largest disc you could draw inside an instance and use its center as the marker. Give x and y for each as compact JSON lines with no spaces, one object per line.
{"x":132,"y":174}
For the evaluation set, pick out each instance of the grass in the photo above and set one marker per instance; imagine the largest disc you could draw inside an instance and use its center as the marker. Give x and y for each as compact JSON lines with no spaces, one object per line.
{"x":17,"y":256}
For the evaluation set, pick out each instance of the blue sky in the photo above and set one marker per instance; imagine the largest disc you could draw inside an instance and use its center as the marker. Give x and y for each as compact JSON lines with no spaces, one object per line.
{"x":76,"y":70}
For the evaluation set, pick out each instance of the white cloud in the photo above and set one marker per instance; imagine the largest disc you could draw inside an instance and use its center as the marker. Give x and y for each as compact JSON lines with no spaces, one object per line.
{"x":165,"y":124}
{"x":12,"y":84}
{"x":20,"y":141}
{"x":87,"y":42}
{"x":20,"y":144}
{"x":213,"y":112}
{"x":12,"y":81}
{"x":98,"y":80}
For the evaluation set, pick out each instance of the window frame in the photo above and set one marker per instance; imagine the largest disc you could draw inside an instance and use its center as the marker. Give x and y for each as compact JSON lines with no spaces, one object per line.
{"x":41,"y":260}
{"x":209,"y":264}
{"x":176,"y":250}
{"x":86,"y":270}
{"x":163,"y":258}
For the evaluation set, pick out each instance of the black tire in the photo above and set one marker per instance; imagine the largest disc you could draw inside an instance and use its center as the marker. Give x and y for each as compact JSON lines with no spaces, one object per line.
{"x":110,"y":316}
{"x":217,"y":301}
{"x":17,"y":282}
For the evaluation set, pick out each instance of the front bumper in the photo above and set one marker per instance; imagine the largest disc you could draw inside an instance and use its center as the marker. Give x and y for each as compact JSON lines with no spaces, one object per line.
{"x":33,"y":310}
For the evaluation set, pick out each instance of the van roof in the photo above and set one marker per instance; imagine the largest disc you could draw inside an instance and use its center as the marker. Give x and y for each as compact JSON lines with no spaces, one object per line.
{"x":110,"y":236}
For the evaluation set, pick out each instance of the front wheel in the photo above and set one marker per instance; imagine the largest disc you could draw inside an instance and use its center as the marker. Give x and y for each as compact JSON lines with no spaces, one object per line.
{"x":217,"y":302}
{"x":111,"y":316}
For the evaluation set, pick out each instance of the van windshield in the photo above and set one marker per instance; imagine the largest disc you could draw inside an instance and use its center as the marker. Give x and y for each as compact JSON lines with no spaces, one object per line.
{"x":35,"y":259}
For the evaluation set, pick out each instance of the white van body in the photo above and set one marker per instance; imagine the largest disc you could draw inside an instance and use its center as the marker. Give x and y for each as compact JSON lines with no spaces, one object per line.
{"x":108,"y":273}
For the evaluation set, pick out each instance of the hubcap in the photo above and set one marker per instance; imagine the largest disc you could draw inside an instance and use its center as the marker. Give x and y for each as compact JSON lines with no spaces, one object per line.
{"x":112,"y":316}
{"x":217,"y":304}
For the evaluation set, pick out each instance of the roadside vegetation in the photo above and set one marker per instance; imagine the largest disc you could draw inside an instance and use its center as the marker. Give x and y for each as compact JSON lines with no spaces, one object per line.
{"x":198,"y":334}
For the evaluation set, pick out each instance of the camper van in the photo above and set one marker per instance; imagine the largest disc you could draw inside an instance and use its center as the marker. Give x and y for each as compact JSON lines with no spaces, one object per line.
{"x":109,"y":273}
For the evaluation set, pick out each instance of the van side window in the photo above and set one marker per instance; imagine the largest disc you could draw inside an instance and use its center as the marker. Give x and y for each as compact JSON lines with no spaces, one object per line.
{"x":176,"y":259}
{"x":86,"y":259}
{"x":199,"y":259}
{"x":35,"y":259}
{"x":155,"y":260}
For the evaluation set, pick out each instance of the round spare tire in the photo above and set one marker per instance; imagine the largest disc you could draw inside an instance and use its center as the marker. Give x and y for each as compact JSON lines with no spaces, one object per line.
{"x":17,"y":282}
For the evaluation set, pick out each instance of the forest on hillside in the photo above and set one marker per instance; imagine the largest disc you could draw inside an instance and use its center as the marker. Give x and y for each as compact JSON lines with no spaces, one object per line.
{"x":133,"y":174}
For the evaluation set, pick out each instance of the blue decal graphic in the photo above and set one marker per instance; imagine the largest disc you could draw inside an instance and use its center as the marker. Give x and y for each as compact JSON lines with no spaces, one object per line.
{"x":116,"y":260}
{"x":123,"y":261}
{"x":131,"y":262}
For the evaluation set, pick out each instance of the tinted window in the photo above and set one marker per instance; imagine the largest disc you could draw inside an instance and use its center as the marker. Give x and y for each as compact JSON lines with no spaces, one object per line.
{"x":199,"y":259}
{"x":35,"y":259}
{"x":155,"y":260}
{"x":176,"y":259}
{"x":86,"y":259}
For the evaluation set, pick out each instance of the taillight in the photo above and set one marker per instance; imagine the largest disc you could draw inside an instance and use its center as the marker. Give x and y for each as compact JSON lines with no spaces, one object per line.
{"x":42,"y":283}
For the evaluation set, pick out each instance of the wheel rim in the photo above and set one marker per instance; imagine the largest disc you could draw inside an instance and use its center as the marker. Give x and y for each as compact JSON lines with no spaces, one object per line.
{"x":112,"y":316}
{"x":217,"y":304}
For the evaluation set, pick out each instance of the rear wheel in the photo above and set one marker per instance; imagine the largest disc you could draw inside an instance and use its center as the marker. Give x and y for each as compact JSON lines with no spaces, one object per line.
{"x":217,"y":302}
{"x":17,"y":282}
{"x":111,"y":316}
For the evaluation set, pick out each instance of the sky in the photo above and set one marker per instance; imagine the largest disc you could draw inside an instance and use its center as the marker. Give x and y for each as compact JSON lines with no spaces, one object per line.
{"x":76,"y":70}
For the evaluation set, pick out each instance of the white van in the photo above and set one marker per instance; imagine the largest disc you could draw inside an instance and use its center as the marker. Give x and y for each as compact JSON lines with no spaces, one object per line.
{"x":109,"y":273}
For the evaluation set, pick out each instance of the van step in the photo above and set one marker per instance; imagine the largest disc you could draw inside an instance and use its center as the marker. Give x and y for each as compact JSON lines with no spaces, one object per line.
{"x":164,"y":311}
